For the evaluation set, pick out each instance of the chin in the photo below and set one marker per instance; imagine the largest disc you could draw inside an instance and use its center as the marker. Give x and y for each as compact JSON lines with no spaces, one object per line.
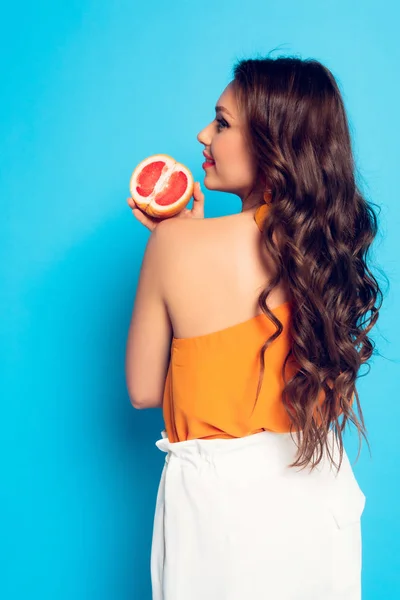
{"x":215,"y":187}
{"x":208,"y":184}
{"x":212,"y":185}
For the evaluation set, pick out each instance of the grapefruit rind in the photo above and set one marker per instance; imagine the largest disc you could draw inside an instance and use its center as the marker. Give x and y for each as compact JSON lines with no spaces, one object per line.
{"x":147,"y":203}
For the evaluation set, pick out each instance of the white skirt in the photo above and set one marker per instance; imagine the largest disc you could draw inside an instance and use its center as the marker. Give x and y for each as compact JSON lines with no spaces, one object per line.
{"x":234,"y":522}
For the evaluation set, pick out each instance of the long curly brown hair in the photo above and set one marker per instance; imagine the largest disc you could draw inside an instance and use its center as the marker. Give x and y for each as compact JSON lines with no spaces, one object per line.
{"x":298,"y":134}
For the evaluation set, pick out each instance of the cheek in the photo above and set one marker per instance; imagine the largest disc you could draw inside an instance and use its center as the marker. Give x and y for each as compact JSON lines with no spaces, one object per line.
{"x":226,"y":148}
{"x":235,"y":157}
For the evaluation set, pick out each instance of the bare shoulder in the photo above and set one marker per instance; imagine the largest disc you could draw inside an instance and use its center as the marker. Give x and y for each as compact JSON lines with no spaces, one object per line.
{"x":176,"y":232}
{"x":200,"y":248}
{"x":208,"y":265}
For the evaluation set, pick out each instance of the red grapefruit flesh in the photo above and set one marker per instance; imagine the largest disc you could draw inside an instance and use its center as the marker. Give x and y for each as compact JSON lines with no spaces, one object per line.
{"x":161,"y":186}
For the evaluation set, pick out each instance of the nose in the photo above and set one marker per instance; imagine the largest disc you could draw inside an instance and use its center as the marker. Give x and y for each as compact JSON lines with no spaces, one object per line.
{"x":204,"y":136}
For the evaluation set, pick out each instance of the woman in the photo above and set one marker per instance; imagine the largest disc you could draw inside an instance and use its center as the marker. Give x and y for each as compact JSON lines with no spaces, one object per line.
{"x":249,"y":330}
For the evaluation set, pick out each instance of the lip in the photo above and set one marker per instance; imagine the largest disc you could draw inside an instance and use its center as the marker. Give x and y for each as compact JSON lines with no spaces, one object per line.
{"x":208,"y":157}
{"x":207,"y":165}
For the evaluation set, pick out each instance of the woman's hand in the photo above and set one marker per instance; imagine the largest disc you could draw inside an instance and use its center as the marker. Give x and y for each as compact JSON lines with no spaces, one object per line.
{"x":197,"y":212}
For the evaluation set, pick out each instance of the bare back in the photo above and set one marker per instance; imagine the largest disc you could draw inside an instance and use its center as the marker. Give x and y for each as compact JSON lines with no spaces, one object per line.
{"x":216,"y":271}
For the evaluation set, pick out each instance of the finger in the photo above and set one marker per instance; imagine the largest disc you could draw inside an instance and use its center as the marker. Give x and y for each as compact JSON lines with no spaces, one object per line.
{"x":131,"y":202}
{"x":197,"y":193}
{"x":198,"y":201}
{"x":141,"y":217}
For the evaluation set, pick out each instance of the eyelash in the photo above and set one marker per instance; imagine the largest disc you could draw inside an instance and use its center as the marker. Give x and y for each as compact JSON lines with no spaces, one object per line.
{"x":221,"y":123}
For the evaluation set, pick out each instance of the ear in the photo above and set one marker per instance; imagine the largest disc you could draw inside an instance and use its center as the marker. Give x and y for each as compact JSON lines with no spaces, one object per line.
{"x":267,"y":196}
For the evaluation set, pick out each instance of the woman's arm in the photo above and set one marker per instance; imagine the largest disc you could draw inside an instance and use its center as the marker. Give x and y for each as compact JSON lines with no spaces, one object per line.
{"x":150,"y":332}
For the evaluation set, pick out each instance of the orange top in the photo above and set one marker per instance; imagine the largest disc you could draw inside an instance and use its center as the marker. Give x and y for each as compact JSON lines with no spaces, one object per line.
{"x":212,"y":379}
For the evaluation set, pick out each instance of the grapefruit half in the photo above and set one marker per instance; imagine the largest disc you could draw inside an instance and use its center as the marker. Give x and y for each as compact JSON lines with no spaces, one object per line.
{"x":161,"y":186}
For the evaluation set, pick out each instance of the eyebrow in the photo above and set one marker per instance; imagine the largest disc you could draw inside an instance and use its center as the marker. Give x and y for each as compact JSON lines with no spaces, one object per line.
{"x":223,"y":109}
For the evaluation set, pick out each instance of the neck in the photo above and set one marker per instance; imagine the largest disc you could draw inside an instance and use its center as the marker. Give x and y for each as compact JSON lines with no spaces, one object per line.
{"x":250,"y":203}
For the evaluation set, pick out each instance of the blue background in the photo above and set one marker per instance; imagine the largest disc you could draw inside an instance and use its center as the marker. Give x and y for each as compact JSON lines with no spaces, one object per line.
{"x":88,"y":89}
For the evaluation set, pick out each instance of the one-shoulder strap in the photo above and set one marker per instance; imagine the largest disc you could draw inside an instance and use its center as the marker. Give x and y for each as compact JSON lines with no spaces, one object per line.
{"x":260,"y":214}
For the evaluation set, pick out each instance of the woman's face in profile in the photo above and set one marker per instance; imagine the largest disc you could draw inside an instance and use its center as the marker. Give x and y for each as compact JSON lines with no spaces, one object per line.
{"x":224,"y":141}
